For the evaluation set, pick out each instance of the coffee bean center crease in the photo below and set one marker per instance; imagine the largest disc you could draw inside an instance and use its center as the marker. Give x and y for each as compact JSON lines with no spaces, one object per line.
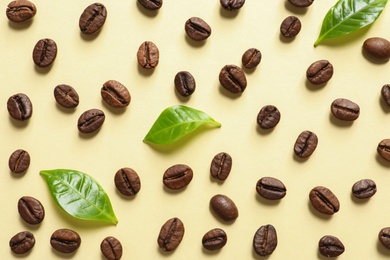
{"x":325,"y":200}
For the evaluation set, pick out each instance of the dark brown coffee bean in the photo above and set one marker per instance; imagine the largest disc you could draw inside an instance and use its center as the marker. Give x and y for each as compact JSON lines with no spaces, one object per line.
{"x":177,"y":176}
{"x":19,"y":161}
{"x":251,"y":58}
{"x":233,"y":79}
{"x":301,"y":3}
{"x":364,"y":189}
{"x":20,"y":11}
{"x":384,"y":237}
{"x":224,"y":207}
{"x":231,"y":5}
{"x":92,"y":18}
{"x":148,"y":55}
{"x":265,"y":240}
{"x":268,"y":117}
{"x":330,"y":246}
{"x":221,"y":166}
{"x":305,"y":144}
{"x":115,"y":94}
{"x":22,"y":242}
{"x":91,"y":120}
{"x":171,"y":234}
{"x":197,"y":29}
{"x":214,"y":239}
{"x":19,"y":107}
{"x":345,"y":109}
{"x":127,"y":181}
{"x":66,"y":96}
{"x":385,"y":93}
{"x":184,"y":83}
{"x":377,"y":48}
{"x":383,"y":149}
{"x":290,"y":26}
{"x":65,"y":240}
{"x":111,"y":248}
{"x":319,"y":72}
{"x":31,"y":210}
{"x":323,"y":200}
{"x":271,"y":188}
{"x":151,"y":4}
{"x":44,"y":52}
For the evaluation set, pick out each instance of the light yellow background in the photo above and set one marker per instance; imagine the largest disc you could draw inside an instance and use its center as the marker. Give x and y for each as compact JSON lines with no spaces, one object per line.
{"x":345,"y":154}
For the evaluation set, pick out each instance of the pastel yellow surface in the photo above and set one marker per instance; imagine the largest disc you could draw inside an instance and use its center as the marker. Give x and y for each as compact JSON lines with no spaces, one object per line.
{"x":345,"y":154}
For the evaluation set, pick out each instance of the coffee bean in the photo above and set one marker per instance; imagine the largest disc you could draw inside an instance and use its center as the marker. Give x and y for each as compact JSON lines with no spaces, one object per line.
{"x":377,"y":48}
{"x":224,"y":207}
{"x":265,"y":240}
{"x":127,"y":181}
{"x":301,"y":3}
{"x":384,"y":237}
{"x":65,"y":240}
{"x":323,"y":200}
{"x":290,"y":26}
{"x":385,"y":93}
{"x":177,"y":176}
{"x":383,"y":149}
{"x":31,"y":210}
{"x":171,"y":234}
{"x":115,"y":94}
{"x":330,"y":246}
{"x":19,"y":107}
{"x":93,"y":18}
{"x":345,"y":109}
{"x":22,"y":242}
{"x":268,"y":117}
{"x":66,"y":96}
{"x":20,"y":11}
{"x":148,"y":55}
{"x":184,"y":83}
{"x":44,"y":52}
{"x":221,"y":166}
{"x":364,"y":189}
{"x":91,"y":120}
{"x":231,"y":5}
{"x":319,"y":72}
{"x":233,"y":79}
{"x":271,"y":188}
{"x":305,"y":144}
{"x":151,"y":4}
{"x":214,"y":239}
{"x":251,"y":58}
{"x":19,"y":161}
{"x":111,"y":248}
{"x":197,"y":29}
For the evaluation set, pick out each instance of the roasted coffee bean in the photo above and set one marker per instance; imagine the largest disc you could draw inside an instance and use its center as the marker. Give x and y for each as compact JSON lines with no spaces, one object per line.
{"x":115,"y":94}
{"x":44,"y":52}
{"x":251,"y":58}
{"x":66,"y":96}
{"x":224,"y":207}
{"x":385,"y":93}
{"x":19,"y":107}
{"x":345,"y":109}
{"x":177,"y":176}
{"x":305,"y":144}
{"x":127,"y":181}
{"x":22,"y":242}
{"x":377,"y":48}
{"x":151,"y":4}
{"x":301,"y":3}
{"x":92,"y":18}
{"x":319,"y":72}
{"x":271,"y":188}
{"x":290,"y":26}
{"x":221,"y":166}
{"x":90,"y":121}
{"x":384,"y":237}
{"x":330,"y":246}
{"x":184,"y":83}
{"x":65,"y":240}
{"x":383,"y":149}
{"x":171,"y":234}
{"x":233,"y":79}
{"x":148,"y":55}
{"x":231,"y":5}
{"x":19,"y":161}
{"x":20,"y":11}
{"x":31,"y":210}
{"x":214,"y":239}
{"x":197,"y":29}
{"x":323,"y":200}
{"x":265,"y":240}
{"x":111,"y":248}
{"x":364,"y":189}
{"x":268,"y":117}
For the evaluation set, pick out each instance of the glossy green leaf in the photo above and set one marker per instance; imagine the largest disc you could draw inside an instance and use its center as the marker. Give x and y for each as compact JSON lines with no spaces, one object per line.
{"x":79,"y":195}
{"x":348,"y":16}
{"x":175,"y":122}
